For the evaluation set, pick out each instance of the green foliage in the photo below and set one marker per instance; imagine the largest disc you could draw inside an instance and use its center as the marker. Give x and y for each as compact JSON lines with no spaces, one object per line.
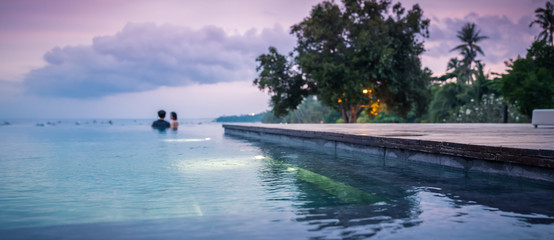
{"x":489,"y":110}
{"x":345,"y":48}
{"x":241,"y":118}
{"x":277,"y":75}
{"x":529,"y":83}
{"x":469,"y":37}
{"x":463,"y":70}
{"x":472,"y":97}
{"x":382,"y":117}
{"x":483,"y":85}
{"x":451,"y":98}
{"x":545,"y":19}
{"x":269,"y":117}
{"x":310,"y":111}
{"x":342,"y":50}
{"x":446,"y":99}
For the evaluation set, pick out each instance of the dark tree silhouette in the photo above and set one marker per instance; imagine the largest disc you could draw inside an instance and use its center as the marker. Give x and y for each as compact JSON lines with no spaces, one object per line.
{"x":352,"y":55}
{"x":545,"y":19}
{"x":469,"y":36}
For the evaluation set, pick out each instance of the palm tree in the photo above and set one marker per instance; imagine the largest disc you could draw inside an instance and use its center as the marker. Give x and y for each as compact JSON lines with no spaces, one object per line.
{"x":545,"y":18}
{"x":458,"y":70}
{"x":469,"y":48}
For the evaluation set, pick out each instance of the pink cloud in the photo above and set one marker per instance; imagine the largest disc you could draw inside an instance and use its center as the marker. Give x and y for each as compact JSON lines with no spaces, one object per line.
{"x":146,"y":56}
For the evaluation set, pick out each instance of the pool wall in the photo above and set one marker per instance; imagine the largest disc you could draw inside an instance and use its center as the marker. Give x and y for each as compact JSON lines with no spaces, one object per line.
{"x":483,"y":159}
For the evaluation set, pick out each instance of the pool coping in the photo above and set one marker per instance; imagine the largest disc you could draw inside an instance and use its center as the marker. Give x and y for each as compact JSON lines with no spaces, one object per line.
{"x":537,"y":164}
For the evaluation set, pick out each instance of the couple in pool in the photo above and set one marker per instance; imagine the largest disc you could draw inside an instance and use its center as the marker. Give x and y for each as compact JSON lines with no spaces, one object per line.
{"x":162,"y":124}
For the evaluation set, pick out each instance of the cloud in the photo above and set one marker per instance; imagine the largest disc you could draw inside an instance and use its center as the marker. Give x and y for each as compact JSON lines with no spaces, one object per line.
{"x":507,"y":39}
{"x":192,"y":101}
{"x":146,"y":56}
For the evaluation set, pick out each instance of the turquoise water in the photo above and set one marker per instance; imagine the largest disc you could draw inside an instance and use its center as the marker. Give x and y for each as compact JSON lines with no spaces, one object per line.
{"x":92,"y":179}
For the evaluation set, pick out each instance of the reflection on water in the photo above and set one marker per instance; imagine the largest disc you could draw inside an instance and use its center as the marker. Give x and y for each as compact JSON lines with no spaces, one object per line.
{"x":345,"y":204}
{"x":125,"y":180}
{"x":403,"y":200}
{"x":343,"y":192}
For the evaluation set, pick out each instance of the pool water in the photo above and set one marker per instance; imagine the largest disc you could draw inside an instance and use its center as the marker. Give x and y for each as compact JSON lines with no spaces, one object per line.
{"x":96,"y":180}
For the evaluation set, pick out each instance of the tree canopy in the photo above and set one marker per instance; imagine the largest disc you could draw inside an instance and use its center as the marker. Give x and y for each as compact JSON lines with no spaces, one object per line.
{"x":309,"y":111}
{"x":463,"y":70}
{"x":287,"y":86}
{"x":352,"y":57}
{"x":529,"y":82}
{"x":545,"y":19}
{"x":469,"y":37}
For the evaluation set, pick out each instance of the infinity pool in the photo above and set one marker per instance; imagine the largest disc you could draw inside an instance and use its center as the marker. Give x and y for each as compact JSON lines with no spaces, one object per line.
{"x":96,"y":180}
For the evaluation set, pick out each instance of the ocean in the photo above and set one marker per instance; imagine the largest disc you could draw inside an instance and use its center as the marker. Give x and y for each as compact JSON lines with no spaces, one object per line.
{"x":120,"y":179}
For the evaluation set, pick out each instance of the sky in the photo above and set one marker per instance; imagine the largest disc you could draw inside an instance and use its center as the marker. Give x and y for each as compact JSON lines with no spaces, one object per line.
{"x":129,"y":58}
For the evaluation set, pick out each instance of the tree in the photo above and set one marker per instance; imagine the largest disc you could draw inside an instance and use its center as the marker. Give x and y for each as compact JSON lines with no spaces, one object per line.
{"x":545,"y":19}
{"x":287,"y":86}
{"x":471,"y":81}
{"x":446,"y":99}
{"x":529,"y":83}
{"x":482,"y":85}
{"x":354,"y":56}
{"x":458,"y":71}
{"x":309,"y":111}
{"x":450,"y":98}
{"x":468,"y":49}
{"x":490,"y":109}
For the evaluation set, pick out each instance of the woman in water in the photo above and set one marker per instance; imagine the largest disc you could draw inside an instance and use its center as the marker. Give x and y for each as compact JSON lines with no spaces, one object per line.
{"x":174,"y":124}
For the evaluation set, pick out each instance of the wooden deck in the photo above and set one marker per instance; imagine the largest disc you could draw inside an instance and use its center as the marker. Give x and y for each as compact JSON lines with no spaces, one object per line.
{"x":519,"y":144}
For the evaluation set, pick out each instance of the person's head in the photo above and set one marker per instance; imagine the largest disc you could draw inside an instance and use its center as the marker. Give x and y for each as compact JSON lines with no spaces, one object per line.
{"x":161,"y":114}
{"x":173,"y":115}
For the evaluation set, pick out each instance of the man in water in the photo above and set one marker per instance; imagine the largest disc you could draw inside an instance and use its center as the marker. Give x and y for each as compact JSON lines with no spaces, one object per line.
{"x":160,"y":124}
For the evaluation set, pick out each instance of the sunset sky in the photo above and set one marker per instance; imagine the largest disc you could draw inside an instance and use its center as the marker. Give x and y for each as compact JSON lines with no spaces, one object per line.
{"x":128,"y":59}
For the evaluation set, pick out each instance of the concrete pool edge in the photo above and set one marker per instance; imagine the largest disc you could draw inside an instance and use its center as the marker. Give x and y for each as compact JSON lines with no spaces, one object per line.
{"x":535,"y":164}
